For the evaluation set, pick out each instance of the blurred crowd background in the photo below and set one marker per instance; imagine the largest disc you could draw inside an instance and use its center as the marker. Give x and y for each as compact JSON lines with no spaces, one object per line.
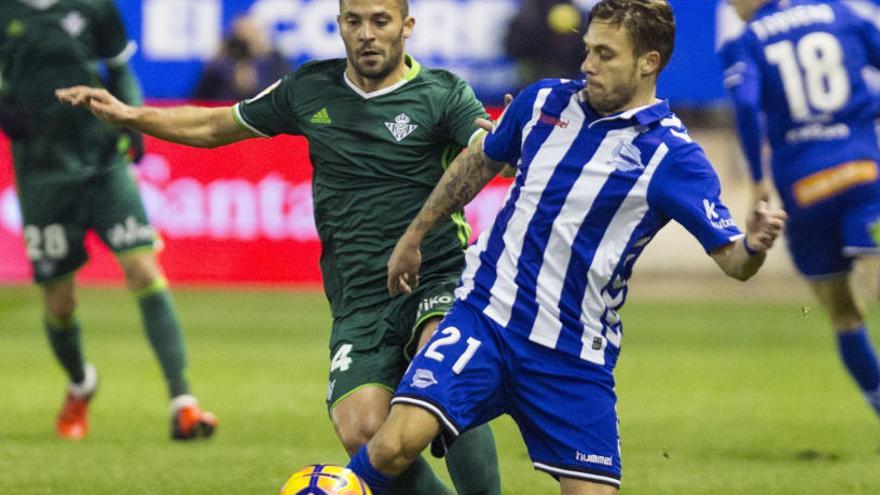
{"x":250,"y":203}
{"x":226,"y":48}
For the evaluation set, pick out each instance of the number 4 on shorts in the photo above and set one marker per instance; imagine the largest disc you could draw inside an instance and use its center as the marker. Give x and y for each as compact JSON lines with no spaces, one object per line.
{"x":340,"y":360}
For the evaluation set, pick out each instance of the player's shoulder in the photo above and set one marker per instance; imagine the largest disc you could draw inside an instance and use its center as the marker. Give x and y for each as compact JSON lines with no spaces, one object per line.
{"x":673,"y":134}
{"x":553,"y":94}
{"x":441,"y":77}
{"x":318,"y":72}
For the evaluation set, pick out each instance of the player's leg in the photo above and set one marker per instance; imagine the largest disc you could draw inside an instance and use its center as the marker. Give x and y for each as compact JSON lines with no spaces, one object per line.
{"x":572,"y":486}
{"x":456,"y":383}
{"x":392,"y":450}
{"x":147,"y":283}
{"x":472,"y":461}
{"x":366,"y":364}
{"x":63,"y":331}
{"x":565,"y":407}
{"x":54,"y":231}
{"x":121,"y":222}
{"x":853,"y":340}
{"x":824,"y":241}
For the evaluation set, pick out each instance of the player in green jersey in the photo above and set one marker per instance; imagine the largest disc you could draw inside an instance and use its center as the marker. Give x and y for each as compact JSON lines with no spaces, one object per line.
{"x":73,"y":175}
{"x":380,"y":130}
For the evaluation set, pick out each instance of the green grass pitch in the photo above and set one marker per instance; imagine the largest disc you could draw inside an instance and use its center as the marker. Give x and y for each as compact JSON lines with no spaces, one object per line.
{"x":715,"y":398}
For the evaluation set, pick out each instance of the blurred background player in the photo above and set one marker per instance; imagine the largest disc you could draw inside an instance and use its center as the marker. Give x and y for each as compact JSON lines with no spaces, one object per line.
{"x":546,"y":40}
{"x":603,"y":166}
{"x":381,"y":130}
{"x":72,"y":176}
{"x":795,"y":76}
{"x":247,"y":63}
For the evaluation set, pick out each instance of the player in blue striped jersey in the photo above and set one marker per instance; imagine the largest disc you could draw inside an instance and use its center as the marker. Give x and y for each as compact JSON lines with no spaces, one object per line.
{"x":602,"y":166}
{"x":798,"y":80}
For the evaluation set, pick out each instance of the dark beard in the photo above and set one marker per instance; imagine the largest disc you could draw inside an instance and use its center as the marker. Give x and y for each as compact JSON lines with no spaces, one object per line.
{"x":382,"y":72}
{"x":614,"y":101}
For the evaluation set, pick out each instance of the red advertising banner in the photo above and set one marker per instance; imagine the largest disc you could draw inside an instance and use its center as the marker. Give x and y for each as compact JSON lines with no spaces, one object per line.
{"x":237,"y":214}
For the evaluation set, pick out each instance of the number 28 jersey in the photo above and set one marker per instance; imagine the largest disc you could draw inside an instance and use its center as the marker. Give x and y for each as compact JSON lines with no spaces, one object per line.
{"x":800,"y":63}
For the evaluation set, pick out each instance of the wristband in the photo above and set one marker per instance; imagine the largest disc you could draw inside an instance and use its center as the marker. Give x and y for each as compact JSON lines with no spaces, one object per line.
{"x":749,"y":251}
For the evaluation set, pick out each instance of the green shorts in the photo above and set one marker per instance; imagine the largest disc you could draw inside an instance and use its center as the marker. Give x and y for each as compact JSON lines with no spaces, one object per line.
{"x":373,"y":346}
{"x":57,"y":217}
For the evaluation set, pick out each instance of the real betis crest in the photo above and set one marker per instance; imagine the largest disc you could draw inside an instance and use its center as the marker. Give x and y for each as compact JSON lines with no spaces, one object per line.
{"x":401,"y":127}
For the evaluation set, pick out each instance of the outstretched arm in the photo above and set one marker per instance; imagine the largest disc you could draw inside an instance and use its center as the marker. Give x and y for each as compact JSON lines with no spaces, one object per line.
{"x":742,"y":259}
{"x":464,"y":178}
{"x":193,"y":126}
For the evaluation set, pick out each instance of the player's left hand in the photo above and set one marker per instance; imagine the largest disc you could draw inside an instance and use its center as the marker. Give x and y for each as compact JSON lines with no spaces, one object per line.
{"x":489,"y":125}
{"x":403,"y":267}
{"x":764,"y":226}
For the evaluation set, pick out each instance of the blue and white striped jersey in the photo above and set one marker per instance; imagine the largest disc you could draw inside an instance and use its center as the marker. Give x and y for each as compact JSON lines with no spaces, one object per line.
{"x":801,"y":63}
{"x":589,"y":194}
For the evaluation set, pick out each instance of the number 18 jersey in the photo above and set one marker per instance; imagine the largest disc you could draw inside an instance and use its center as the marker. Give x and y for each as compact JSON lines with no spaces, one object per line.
{"x":800,"y":62}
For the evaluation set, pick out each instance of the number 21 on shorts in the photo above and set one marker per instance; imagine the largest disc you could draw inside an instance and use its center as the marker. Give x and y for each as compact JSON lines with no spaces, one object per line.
{"x":450,"y":336}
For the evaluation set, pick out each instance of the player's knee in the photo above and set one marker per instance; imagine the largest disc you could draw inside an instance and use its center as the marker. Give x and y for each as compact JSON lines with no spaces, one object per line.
{"x":356,"y":432}
{"x":60,"y":303}
{"x":61,"y":309}
{"x":141,"y":270}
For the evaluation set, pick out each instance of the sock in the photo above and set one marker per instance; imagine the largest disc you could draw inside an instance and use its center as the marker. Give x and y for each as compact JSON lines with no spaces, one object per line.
{"x":361,"y":466}
{"x":473,"y":463}
{"x":418,"y":479}
{"x":166,"y":338}
{"x":64,"y":339}
{"x":860,"y":359}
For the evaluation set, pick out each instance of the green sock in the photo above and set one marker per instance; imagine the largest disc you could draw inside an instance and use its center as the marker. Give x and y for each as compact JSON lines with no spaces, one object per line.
{"x":473,"y":463}
{"x":418,"y":479}
{"x":163,"y":331}
{"x":65,"y":341}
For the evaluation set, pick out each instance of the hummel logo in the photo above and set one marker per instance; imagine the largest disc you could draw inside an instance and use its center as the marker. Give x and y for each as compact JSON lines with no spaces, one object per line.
{"x":551,"y":120}
{"x":321,"y":117}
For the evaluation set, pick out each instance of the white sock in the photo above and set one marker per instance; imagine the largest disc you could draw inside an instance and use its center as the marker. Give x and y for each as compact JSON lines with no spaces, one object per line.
{"x":181,"y":401}
{"x":88,"y":385}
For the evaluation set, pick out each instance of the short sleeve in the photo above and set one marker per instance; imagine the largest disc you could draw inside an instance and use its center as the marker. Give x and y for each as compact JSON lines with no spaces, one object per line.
{"x":686,"y":189}
{"x":271,"y":112}
{"x":460,"y":110}
{"x":112,"y":42}
{"x":504,"y":143}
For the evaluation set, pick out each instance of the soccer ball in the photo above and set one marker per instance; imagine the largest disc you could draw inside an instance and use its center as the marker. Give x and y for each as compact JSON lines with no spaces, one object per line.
{"x":324,"y":479}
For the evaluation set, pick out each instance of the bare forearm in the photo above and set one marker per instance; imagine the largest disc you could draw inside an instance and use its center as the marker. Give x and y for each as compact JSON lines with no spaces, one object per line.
{"x":464,"y":178}
{"x":190,"y":125}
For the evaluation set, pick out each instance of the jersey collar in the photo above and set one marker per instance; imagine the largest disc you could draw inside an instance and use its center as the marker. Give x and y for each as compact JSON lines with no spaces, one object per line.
{"x":414,"y":68}
{"x":643,"y":115}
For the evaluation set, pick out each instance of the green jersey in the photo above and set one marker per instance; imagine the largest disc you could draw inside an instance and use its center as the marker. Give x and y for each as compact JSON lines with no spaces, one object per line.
{"x":51,"y":44}
{"x":376,"y":157}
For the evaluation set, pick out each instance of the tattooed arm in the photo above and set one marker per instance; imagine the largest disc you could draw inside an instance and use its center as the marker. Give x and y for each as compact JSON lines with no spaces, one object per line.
{"x":464,"y":178}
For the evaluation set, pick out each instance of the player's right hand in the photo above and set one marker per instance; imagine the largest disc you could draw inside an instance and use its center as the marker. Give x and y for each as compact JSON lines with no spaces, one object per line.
{"x":403,"y":267}
{"x":99,"y":101}
{"x":764,"y":226}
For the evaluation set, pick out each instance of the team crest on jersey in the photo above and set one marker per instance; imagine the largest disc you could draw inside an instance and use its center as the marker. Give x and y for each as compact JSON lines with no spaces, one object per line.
{"x":74,"y":23}
{"x":626,"y":157}
{"x":423,"y":378}
{"x":401,"y":127}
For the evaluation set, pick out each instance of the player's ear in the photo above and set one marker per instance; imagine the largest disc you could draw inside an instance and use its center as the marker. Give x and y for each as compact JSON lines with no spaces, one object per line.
{"x":649,"y":63}
{"x":408,"y":24}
